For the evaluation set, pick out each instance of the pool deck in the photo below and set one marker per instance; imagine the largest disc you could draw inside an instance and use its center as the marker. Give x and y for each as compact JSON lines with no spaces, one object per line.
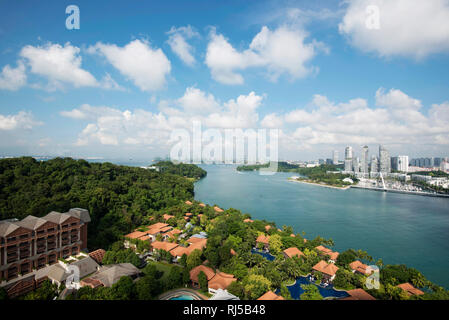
{"x":182,"y":291}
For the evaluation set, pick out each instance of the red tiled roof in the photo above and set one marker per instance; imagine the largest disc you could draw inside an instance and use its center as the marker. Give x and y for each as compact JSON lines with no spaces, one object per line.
{"x":97,"y":255}
{"x":167,"y":216}
{"x":167,"y":246}
{"x":202,"y":205}
{"x":217,"y":209}
{"x":156,"y":228}
{"x":411,"y":290}
{"x":188,"y":202}
{"x":326,"y":268}
{"x":358,"y":294}
{"x":263,"y":239}
{"x":233,"y":252}
{"x":188,"y":214}
{"x":248,"y":220}
{"x":270,"y":295}
{"x":135,"y":235}
{"x":267,"y":227}
{"x":196,"y":271}
{"x":360,"y":267}
{"x":221,"y":280}
{"x":293,"y":251}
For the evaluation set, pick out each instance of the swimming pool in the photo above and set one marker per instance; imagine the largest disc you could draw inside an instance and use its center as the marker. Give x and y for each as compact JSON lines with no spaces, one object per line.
{"x":329,"y":291}
{"x":183,"y":297}
{"x":264,"y":254}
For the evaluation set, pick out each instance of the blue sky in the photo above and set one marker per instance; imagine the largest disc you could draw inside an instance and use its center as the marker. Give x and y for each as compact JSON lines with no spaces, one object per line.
{"x":117,"y":87}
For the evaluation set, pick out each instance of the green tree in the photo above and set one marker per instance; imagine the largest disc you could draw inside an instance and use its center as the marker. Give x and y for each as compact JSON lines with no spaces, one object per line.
{"x":311,"y":292}
{"x":202,"y":280}
{"x":285,"y":293}
{"x":256,"y":285}
{"x":194,"y":259}
{"x":236,"y":288}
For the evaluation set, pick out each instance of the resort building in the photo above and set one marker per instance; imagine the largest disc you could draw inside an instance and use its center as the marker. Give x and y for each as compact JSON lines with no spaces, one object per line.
{"x":264,"y":240}
{"x":358,"y":294}
{"x":150,"y":233}
{"x":359,"y":267}
{"x":248,"y":220}
{"x":333,"y":256}
{"x":98,"y":255}
{"x":33,"y":243}
{"x":270,"y":295}
{"x":267,"y":227}
{"x":328,"y":270}
{"x":196,"y":271}
{"x":194,"y":244}
{"x":188,"y":203}
{"x":163,"y":245}
{"x":167,"y":217}
{"x":411,"y":290}
{"x":221,"y":280}
{"x":202,"y":205}
{"x":291,"y":252}
{"x":218,"y":210}
{"x":108,"y":275}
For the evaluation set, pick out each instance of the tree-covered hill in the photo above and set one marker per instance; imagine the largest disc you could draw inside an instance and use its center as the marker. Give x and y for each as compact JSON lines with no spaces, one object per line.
{"x":117,"y":197}
{"x":181,"y":169}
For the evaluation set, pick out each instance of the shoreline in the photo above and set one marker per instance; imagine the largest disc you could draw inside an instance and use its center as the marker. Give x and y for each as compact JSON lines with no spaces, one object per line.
{"x":320,"y":185}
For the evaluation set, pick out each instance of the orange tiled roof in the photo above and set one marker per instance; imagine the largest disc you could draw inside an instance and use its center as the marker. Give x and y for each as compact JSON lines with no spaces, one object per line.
{"x":267,"y":227}
{"x":263,"y":239}
{"x":167,"y":216}
{"x":202,"y":205}
{"x":248,"y":220}
{"x":156,"y":228}
{"x":135,"y":235}
{"x":270,"y":295}
{"x":333,"y":255}
{"x":221,"y":280}
{"x":359,"y":266}
{"x":196,"y":271}
{"x":411,"y":290}
{"x":358,"y":294}
{"x":233,"y":252}
{"x":178,"y":251}
{"x":188,"y":214}
{"x":326,"y":268}
{"x":292,"y":235}
{"x":293,"y":251}
{"x":188,"y":202}
{"x":97,"y":255}
{"x":167,"y":246}
{"x":93,"y":283}
{"x":217,"y":209}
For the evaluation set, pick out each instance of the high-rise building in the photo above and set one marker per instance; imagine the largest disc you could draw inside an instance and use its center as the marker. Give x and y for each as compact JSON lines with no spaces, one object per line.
{"x":335,"y":157}
{"x":355,"y":164}
{"x":374,"y":165}
{"x":400,"y":163}
{"x":364,"y":160}
{"x":384,"y":160}
{"x":348,"y":159}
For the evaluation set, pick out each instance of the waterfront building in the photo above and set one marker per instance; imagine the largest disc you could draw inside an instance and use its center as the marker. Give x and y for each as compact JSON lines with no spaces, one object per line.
{"x":364,"y":161}
{"x":335,"y":157}
{"x":400,"y":163}
{"x":348,"y":159}
{"x":355,"y":164}
{"x":329,"y":161}
{"x":384,"y":160}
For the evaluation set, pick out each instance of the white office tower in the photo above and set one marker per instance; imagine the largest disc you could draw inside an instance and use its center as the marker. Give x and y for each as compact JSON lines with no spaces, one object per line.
{"x":400,"y":163}
{"x":348,"y":159}
{"x":335,"y":157}
{"x":364,"y":161}
{"x":384,"y":160}
{"x":374,"y":165}
{"x":355,"y":164}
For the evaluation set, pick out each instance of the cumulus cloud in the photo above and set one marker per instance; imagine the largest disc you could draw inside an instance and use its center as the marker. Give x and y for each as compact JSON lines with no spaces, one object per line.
{"x":145,"y":66}
{"x":21,"y":120}
{"x":13,"y":78}
{"x":279,"y":51}
{"x":412,"y":28}
{"x":59,"y":64}
{"x":178,"y":43}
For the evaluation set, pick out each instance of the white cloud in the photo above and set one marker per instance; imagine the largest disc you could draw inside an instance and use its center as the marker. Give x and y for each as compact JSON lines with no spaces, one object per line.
{"x":59,"y":64}
{"x":272,"y":120}
{"x":282,"y":51}
{"x":21,"y":120}
{"x":195,"y":101}
{"x":13,"y":78}
{"x":137,"y":61}
{"x":412,"y":28}
{"x":178,"y":43}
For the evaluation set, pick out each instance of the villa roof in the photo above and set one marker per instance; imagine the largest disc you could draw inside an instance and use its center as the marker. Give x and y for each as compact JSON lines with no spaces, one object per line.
{"x":196,"y":240}
{"x":359,"y":266}
{"x":31,"y":222}
{"x":233,"y":252}
{"x":188,"y":202}
{"x":178,"y":251}
{"x":270,"y":295}
{"x":188,"y":214}
{"x":333,"y":255}
{"x":411,"y":290}
{"x":267,"y":227}
{"x":358,"y":294}
{"x":292,"y":235}
{"x":167,"y":216}
{"x":248,"y":220}
{"x":56,"y":217}
{"x":221,"y":280}
{"x":326,"y":268}
{"x":196,"y":271}
{"x":263,"y":239}
{"x":108,"y":275}
{"x":171,"y":233}
{"x":293,"y":251}
{"x":217,"y":209}
{"x":7,"y":228}
{"x":167,"y":246}
{"x":97,"y":255}
{"x":157,"y":228}
{"x":135,"y":235}
{"x":202,"y":205}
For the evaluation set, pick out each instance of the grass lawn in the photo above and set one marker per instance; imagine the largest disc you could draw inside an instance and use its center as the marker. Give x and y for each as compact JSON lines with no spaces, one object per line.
{"x":162,"y":266}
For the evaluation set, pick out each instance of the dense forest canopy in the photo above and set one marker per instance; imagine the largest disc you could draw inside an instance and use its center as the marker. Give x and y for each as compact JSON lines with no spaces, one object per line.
{"x":117,"y":197}
{"x":181,"y":169}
